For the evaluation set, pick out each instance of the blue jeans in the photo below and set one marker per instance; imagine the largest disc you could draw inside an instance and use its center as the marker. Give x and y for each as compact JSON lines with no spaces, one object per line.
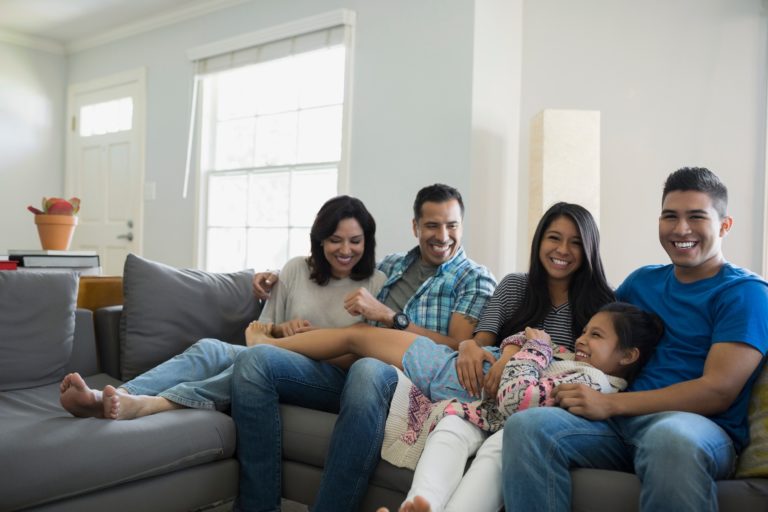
{"x":677,"y":456}
{"x":199,"y":378}
{"x":266,"y":375}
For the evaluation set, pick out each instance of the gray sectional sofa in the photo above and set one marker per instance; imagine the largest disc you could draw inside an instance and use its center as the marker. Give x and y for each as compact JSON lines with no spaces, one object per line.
{"x":184,"y":460}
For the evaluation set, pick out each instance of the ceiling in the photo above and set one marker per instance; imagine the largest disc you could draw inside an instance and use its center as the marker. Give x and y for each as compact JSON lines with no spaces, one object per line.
{"x":65,"y":21}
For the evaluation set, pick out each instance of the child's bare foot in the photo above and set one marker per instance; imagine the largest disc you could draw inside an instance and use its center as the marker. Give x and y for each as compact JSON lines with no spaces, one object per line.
{"x":78,"y":399}
{"x":258,"y":333}
{"x":418,"y":504}
{"x":124,"y":406}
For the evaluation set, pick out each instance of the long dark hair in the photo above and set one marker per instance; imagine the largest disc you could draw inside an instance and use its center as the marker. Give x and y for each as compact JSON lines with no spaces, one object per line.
{"x":635,"y":328}
{"x":326,"y":221}
{"x":588,"y":289}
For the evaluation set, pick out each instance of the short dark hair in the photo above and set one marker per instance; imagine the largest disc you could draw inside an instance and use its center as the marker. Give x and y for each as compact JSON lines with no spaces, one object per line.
{"x":437,"y":193}
{"x":635,"y":328}
{"x":326,"y":221}
{"x":698,"y":179}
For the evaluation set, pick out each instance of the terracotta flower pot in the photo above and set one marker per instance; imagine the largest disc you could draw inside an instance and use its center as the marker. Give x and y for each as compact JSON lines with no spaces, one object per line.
{"x":55,"y":231}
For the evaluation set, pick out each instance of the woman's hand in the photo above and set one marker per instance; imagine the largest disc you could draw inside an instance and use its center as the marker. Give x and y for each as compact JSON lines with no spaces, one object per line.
{"x":537,"y":334}
{"x":291,"y":327}
{"x":263,"y":283}
{"x":469,"y":366}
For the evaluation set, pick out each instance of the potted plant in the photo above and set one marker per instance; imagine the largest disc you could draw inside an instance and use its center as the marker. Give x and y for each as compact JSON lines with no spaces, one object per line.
{"x":56,"y":222}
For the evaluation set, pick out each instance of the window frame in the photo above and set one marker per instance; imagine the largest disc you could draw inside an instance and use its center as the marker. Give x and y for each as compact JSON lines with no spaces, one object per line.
{"x":343,"y":18}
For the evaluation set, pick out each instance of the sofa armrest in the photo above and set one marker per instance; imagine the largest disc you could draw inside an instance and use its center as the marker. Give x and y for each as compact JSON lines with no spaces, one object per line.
{"x":107,"y":323}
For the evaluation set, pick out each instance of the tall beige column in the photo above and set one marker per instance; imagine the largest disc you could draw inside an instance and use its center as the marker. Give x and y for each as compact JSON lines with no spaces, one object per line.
{"x":564,"y":161}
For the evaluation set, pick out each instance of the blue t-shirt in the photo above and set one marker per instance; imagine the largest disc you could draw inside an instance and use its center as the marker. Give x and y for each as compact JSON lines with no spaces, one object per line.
{"x":731,"y":306}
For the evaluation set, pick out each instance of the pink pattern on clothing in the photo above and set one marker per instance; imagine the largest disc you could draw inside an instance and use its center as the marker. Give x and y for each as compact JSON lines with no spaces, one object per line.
{"x":419,"y":407}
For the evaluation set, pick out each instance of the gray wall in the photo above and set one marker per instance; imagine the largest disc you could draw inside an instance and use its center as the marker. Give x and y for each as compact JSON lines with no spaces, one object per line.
{"x":32,"y":85}
{"x":411,"y":106}
{"x":678,"y":83}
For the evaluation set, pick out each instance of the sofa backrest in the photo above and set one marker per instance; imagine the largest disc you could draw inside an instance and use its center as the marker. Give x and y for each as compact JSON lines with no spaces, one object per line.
{"x":84,"y":353}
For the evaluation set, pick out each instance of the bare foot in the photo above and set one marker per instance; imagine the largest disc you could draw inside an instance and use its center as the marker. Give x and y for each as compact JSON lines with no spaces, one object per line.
{"x":78,"y":399}
{"x":418,"y":504}
{"x":258,"y":333}
{"x":123,"y":406}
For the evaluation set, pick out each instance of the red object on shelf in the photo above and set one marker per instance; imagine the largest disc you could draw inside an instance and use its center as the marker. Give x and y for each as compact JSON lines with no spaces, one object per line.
{"x":8,"y":265}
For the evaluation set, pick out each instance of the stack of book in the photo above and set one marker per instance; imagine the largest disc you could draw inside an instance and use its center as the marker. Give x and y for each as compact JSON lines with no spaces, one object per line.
{"x":82,"y":262}
{"x":6,"y":263}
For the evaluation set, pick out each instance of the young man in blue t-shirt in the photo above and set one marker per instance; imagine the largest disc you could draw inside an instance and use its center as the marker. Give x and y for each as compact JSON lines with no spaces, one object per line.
{"x":684,"y":420}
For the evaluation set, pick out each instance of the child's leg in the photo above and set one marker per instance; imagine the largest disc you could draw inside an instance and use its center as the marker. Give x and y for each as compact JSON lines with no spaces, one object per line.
{"x":442,"y":462}
{"x":362,"y":340}
{"x":480,"y":489}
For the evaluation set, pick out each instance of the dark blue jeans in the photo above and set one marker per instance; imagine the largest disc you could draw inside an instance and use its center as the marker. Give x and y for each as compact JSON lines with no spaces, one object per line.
{"x":263,"y":377}
{"x":677,"y":456}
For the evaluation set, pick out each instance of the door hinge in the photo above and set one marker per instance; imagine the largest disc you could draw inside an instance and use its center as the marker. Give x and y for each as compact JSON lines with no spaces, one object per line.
{"x":74,"y":123}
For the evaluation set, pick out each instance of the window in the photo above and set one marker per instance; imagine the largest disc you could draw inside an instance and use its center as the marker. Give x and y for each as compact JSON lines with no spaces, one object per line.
{"x":107,"y":117}
{"x":270,"y":148}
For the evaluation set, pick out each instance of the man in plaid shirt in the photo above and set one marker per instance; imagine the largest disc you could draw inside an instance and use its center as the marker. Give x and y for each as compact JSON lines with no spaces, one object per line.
{"x":433,"y":290}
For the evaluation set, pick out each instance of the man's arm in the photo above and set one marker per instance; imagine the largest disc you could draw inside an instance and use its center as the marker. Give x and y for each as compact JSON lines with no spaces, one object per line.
{"x":461,"y":328}
{"x":361,"y":302}
{"x":726,"y":370}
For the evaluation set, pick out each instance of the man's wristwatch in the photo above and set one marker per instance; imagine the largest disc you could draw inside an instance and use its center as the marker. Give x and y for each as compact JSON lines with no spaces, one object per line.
{"x":400,"y":321}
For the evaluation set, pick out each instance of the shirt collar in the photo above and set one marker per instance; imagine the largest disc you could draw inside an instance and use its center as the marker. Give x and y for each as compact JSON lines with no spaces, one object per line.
{"x":452,"y":263}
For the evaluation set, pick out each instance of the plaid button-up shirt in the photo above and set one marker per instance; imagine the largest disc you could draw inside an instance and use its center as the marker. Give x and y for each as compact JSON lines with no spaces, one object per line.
{"x":459,"y":286}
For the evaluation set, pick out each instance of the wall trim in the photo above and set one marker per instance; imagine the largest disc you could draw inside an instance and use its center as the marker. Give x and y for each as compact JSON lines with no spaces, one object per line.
{"x":33,"y":42}
{"x":150,"y":23}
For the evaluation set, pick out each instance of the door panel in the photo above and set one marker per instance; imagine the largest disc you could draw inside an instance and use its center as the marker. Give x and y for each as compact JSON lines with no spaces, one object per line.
{"x":106,"y":170}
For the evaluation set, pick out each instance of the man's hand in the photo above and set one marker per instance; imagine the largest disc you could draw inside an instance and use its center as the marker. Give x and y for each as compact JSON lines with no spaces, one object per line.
{"x":493,"y":377}
{"x":291,"y":327}
{"x":361,"y":302}
{"x":583,"y":401}
{"x":263,"y":283}
{"x":469,"y":366}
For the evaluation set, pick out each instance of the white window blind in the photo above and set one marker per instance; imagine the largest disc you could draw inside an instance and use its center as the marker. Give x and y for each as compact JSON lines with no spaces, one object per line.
{"x":270,"y":110}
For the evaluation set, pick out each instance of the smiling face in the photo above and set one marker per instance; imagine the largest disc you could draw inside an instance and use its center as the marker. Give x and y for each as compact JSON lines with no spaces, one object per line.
{"x":344,"y":248}
{"x":439,"y":231}
{"x":599,"y":346}
{"x":560,"y":251}
{"x":691,"y":232}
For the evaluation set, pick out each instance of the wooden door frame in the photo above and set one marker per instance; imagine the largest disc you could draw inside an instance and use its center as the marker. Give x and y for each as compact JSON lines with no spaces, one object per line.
{"x":139,"y":77}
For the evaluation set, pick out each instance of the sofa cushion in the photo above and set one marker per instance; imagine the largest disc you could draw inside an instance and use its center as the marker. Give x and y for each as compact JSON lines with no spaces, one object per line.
{"x":37,"y":325}
{"x":167,"y":309}
{"x":46,"y":454}
{"x":753,"y":461}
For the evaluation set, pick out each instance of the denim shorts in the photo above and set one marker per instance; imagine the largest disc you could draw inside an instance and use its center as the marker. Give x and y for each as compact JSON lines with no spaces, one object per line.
{"x":432,"y":368}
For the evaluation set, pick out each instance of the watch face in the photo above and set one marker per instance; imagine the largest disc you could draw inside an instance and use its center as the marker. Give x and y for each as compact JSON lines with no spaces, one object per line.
{"x":401,"y":321}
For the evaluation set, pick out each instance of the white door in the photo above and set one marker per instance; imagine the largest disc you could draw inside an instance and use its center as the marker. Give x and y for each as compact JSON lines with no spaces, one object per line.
{"x":105,"y":165}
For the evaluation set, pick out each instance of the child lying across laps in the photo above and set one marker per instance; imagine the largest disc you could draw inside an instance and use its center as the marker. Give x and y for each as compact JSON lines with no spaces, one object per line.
{"x":615,"y":344}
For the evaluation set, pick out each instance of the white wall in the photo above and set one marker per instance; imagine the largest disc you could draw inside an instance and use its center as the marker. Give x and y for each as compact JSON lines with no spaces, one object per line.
{"x":678,"y":84}
{"x":411,"y":106}
{"x":32,"y":85}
